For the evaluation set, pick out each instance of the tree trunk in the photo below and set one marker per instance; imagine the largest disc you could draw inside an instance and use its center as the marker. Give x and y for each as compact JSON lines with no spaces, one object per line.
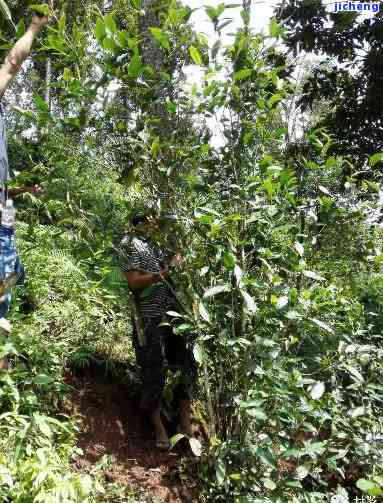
{"x":153,"y":55}
{"x":48,"y":81}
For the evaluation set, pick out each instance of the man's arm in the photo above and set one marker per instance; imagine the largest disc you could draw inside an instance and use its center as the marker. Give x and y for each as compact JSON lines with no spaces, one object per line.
{"x":19,"y":53}
{"x":138,"y":280}
{"x":32,"y":189}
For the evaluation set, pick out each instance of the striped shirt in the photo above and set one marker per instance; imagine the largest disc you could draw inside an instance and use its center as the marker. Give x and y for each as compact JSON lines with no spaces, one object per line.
{"x":139,"y":253}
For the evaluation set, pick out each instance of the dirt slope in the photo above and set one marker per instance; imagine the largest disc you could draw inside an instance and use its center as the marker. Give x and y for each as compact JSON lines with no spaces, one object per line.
{"x":112,"y":425}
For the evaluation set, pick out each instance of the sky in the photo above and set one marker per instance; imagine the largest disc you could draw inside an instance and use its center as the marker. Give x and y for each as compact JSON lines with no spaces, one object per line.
{"x":261,"y":12}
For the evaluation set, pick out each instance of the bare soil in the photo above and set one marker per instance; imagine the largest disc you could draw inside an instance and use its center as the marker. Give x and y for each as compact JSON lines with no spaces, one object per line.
{"x":113,"y":425}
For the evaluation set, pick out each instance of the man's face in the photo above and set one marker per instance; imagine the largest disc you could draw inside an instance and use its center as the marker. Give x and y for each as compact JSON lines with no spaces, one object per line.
{"x":149,"y":227}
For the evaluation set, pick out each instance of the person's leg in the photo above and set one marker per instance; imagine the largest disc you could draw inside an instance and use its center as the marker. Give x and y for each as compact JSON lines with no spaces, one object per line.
{"x":8,"y":259}
{"x":151,"y":359}
{"x":181,"y":358}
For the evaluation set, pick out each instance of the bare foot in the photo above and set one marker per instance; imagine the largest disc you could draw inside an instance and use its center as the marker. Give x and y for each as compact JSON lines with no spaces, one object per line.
{"x":185,"y":425}
{"x":162,"y":439}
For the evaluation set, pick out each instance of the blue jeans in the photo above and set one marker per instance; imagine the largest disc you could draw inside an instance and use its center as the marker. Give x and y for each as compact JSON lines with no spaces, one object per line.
{"x":9,"y":263}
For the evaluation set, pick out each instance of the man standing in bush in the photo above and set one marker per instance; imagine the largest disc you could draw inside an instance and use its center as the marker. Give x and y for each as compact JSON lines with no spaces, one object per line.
{"x":9,"y":261}
{"x":146,"y":267}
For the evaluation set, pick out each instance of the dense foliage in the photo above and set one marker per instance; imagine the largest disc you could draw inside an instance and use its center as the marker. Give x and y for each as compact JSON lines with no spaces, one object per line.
{"x":348,"y":76}
{"x":281,"y":284}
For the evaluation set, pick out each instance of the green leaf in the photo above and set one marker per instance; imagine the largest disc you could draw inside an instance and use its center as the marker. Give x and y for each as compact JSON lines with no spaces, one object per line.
{"x":274,"y":28}
{"x":99,"y":30}
{"x":250,"y":302}
{"x":136,"y":3}
{"x":215,"y":290}
{"x":220,"y":472}
{"x":20,"y":29}
{"x":215,"y":49}
{"x":110,"y":23}
{"x":302,"y":472}
{"x":247,"y":137}
{"x":220,"y":9}
{"x":8,"y":349}
{"x":6,"y":12}
{"x":229,"y":260}
{"x":317,"y":390}
{"x":174,"y":314}
{"x":224,"y":24}
{"x":43,"y":379}
{"x":109,"y":44}
{"x":123,"y":39}
{"x":313,"y":275}
{"x":257,"y":414}
{"x":369,"y":487}
{"x":67,"y":74}
{"x":276,"y":98}
{"x":282,"y":302}
{"x":195,"y":446}
{"x":171,"y":107}
{"x":323,"y":325}
{"x":42,"y":425}
{"x":173,"y":16}
{"x":357,"y":412}
{"x":269,"y":484}
{"x":204,"y":312}
{"x":299,"y":248}
{"x":40,"y":104}
{"x":155,"y":147}
{"x":293,"y":483}
{"x":324,"y":190}
{"x":42,"y":9}
{"x":243,"y":74}
{"x":198,"y":354}
{"x":202,"y":40}
{"x":134,"y":67}
{"x":161,"y":37}
{"x":266,"y":456}
{"x":374,"y":159}
{"x":195,"y":55}
{"x":175,"y":439}
{"x":211,"y":12}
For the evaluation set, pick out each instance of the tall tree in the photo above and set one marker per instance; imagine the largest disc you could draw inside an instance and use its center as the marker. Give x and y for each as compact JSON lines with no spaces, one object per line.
{"x":352,"y":80}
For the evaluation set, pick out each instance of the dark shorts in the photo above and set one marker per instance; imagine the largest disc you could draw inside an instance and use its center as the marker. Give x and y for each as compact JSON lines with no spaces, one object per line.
{"x":163,"y":350}
{"x":9,"y":264}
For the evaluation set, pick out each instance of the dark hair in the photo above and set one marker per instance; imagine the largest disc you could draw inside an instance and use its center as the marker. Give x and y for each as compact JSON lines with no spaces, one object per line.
{"x":138,"y":219}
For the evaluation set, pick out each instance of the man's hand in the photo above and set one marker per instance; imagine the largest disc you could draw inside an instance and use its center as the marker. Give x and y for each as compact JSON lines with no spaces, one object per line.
{"x":19,"y":52}
{"x":176,"y":261}
{"x":38,"y":22}
{"x":164,"y":272}
{"x":36,"y":190}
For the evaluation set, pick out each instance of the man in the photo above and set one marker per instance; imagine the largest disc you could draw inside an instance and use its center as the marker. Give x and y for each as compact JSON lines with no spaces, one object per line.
{"x":146,"y":267}
{"x":9,"y":261}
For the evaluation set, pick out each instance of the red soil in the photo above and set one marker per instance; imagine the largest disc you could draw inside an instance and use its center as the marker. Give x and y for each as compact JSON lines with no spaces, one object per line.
{"x":112,"y":424}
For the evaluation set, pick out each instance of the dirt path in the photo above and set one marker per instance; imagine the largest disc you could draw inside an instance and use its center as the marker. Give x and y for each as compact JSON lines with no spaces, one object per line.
{"x":113,"y":426}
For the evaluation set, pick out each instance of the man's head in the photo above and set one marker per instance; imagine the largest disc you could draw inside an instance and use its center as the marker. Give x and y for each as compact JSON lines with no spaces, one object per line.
{"x":150,"y":223}
{"x":144,"y":222}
